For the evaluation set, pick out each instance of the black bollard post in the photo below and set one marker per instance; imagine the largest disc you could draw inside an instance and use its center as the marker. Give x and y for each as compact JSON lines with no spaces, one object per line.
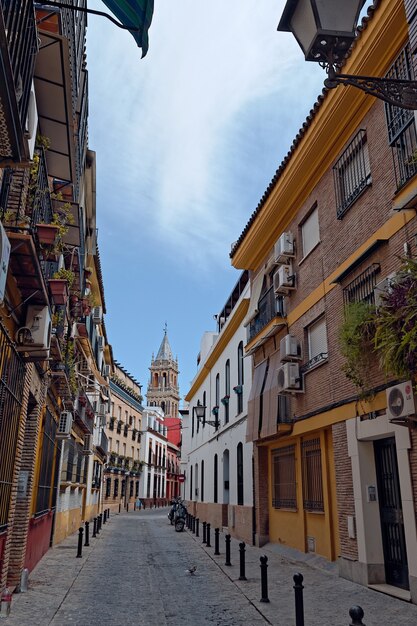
{"x":264,"y":578}
{"x":187,"y":520}
{"x":204,"y":532}
{"x":108,"y":514}
{"x":299,"y":603}
{"x":242,"y":560}
{"x":104,"y":516}
{"x":94,"y":527}
{"x":100,"y":521}
{"x":87,"y":534}
{"x":228,"y":539}
{"x":80,"y":542}
{"x":197,"y":527}
{"x":127,"y":507}
{"x":208,"y":544}
{"x":194,"y":524}
{"x":120,"y":506}
{"x":356,"y":613}
{"x":216,"y":541}
{"x":98,"y":525}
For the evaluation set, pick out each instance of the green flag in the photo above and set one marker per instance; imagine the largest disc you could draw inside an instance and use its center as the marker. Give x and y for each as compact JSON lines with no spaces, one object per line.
{"x":135,"y":14}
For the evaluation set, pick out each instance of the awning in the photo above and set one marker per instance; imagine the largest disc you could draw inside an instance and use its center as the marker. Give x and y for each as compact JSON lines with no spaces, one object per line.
{"x":254,"y":405}
{"x":270,"y":398}
{"x":255,"y":294}
{"x":53,"y":98}
{"x":135,"y":14}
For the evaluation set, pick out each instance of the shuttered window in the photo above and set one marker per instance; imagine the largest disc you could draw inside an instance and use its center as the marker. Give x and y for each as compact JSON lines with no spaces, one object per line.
{"x":312,"y":475}
{"x":284,"y":482}
{"x":310,"y":232}
{"x":317,"y":339}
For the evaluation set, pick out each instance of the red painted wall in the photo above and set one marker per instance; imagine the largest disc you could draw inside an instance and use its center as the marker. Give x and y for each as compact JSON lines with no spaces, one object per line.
{"x":173,"y":425}
{"x":3,"y":537}
{"x":38,"y":539}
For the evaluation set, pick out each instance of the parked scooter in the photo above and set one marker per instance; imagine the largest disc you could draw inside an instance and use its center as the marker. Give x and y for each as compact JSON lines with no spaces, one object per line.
{"x":177,"y":514}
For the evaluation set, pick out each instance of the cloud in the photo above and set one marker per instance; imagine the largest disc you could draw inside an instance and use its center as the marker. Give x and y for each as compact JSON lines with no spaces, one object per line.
{"x":168,"y":122}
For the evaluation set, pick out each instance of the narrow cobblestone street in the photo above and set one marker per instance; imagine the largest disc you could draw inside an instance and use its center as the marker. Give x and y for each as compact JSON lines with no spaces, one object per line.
{"x":134,"y":572}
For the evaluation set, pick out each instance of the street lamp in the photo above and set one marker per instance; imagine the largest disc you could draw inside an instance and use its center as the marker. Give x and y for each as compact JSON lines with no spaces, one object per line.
{"x":325,"y":30}
{"x":199,"y":411}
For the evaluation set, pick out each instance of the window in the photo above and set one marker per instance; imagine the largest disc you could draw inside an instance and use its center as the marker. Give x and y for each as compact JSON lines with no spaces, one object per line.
{"x":239,"y":463}
{"x":284,"y":495}
{"x":191,"y":482}
{"x":352,"y":173}
{"x":108,"y":487}
{"x":137,"y":489}
{"x":312,"y":475}
{"x":123,"y":490}
{"x":401,"y":125}
{"x":202,"y":482}
{"x":240,"y":377}
{"x":361,"y":289}
{"x":43,"y":498}
{"x":131,"y":486}
{"x":116,"y":487}
{"x":310,"y":233}
{"x":317,"y":342}
{"x":284,"y":409}
{"x":205,"y":408}
{"x":215,"y":479}
{"x":227,"y":391}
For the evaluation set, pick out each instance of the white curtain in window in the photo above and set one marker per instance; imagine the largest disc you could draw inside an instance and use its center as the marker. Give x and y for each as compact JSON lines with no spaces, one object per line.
{"x":310,"y":232}
{"x":317,"y":338}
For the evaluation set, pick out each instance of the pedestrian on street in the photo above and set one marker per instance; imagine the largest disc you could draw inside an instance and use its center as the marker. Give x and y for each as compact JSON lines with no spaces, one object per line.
{"x":139,"y":504}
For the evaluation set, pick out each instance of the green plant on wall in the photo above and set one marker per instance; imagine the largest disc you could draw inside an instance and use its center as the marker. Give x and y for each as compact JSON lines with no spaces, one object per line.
{"x":67,"y":275}
{"x":356,"y":338}
{"x":396,"y":323}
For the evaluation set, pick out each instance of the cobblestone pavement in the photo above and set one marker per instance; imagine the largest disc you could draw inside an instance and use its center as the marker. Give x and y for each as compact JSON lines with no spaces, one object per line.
{"x":134,"y":573}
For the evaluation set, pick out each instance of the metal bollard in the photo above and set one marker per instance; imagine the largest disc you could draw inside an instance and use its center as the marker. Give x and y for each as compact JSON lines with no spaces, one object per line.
{"x":193,"y":525}
{"x":187,"y":520}
{"x":228,"y":539}
{"x":120,"y":506}
{"x":356,"y":613}
{"x":208,"y":544}
{"x":242,"y":551}
{"x":98,"y":525}
{"x":94,"y":527}
{"x":80,"y":542}
{"x":127,"y":507}
{"x":24,"y":581}
{"x":264,"y":578}
{"x":299,"y":603}
{"x":216,"y":541}
{"x":204,"y":531}
{"x":100,"y":521}
{"x":104,"y":516}
{"x":108,"y":514}
{"x":197,"y":527}
{"x":87,"y":534}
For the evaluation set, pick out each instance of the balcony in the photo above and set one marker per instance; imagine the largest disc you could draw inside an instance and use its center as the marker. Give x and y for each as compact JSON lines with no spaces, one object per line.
{"x":103,"y":443}
{"x":269,"y":307}
{"x":18,"y":48}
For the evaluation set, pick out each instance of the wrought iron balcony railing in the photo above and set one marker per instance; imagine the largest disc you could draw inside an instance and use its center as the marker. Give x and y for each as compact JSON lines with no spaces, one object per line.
{"x":269,"y":306}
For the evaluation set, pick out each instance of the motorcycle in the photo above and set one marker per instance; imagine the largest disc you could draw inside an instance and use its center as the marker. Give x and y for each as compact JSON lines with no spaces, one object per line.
{"x":177,"y":514}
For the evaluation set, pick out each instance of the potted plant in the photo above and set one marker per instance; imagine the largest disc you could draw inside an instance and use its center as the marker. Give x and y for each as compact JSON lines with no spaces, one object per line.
{"x":225,"y":400}
{"x":59,"y":290}
{"x":46,"y":233}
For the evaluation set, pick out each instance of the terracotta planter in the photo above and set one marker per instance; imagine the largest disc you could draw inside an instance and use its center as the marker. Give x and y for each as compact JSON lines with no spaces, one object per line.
{"x":59,"y":290}
{"x":47,"y":233}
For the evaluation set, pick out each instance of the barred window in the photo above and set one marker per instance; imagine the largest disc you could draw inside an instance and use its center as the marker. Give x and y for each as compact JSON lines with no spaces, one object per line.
{"x":45,"y":481}
{"x":136,"y":489}
{"x":361,"y":289}
{"x":116,"y":487}
{"x":108,"y":487}
{"x":131,"y":489}
{"x":401,"y":126}
{"x":284,"y":478}
{"x":312,"y":475}
{"x":352,"y":173}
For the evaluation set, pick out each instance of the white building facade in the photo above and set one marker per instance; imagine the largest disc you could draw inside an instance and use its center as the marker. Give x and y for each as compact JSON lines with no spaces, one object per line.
{"x":152,"y":488}
{"x":216,"y":458}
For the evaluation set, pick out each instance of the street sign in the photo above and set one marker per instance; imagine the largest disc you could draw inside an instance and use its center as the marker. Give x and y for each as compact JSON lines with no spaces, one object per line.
{"x":181,"y":478}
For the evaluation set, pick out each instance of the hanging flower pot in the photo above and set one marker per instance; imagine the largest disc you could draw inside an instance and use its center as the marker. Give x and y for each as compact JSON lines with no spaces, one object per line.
{"x":59,"y":290}
{"x":46,"y":233}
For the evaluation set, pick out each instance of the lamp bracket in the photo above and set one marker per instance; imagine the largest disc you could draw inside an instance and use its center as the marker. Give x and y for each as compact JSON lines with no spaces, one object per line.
{"x":398,"y":92}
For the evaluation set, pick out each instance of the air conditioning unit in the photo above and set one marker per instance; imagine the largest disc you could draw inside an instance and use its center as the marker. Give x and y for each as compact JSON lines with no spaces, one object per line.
{"x":88,"y":445}
{"x":284,"y":279}
{"x":289,"y":378}
{"x":64,"y":426}
{"x":101,"y":409}
{"x":100,"y":342}
{"x":290,"y":349}
{"x":35,"y":336}
{"x":400,"y":402}
{"x":4,"y":261}
{"x":382,"y":288}
{"x":97,"y":314}
{"x":106,"y":371}
{"x":31,"y":122}
{"x":284,"y":248}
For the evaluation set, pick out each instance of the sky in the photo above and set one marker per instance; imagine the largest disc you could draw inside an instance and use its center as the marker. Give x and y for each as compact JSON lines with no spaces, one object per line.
{"x":187,"y":141}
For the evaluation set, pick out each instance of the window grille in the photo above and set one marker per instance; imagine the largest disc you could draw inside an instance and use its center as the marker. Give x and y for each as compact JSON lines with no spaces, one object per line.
{"x":402,"y":135}
{"x":46,"y":473}
{"x":215,"y":479}
{"x":123,"y":489}
{"x":12,"y":375}
{"x":361,"y":289}
{"x":312,"y":475}
{"x":137,"y":489}
{"x":284,"y":478}
{"x":284,"y":409}
{"x":108,"y":487}
{"x":116,"y":487}
{"x":131,"y":489}
{"x":240,"y":376}
{"x":352,"y":173}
